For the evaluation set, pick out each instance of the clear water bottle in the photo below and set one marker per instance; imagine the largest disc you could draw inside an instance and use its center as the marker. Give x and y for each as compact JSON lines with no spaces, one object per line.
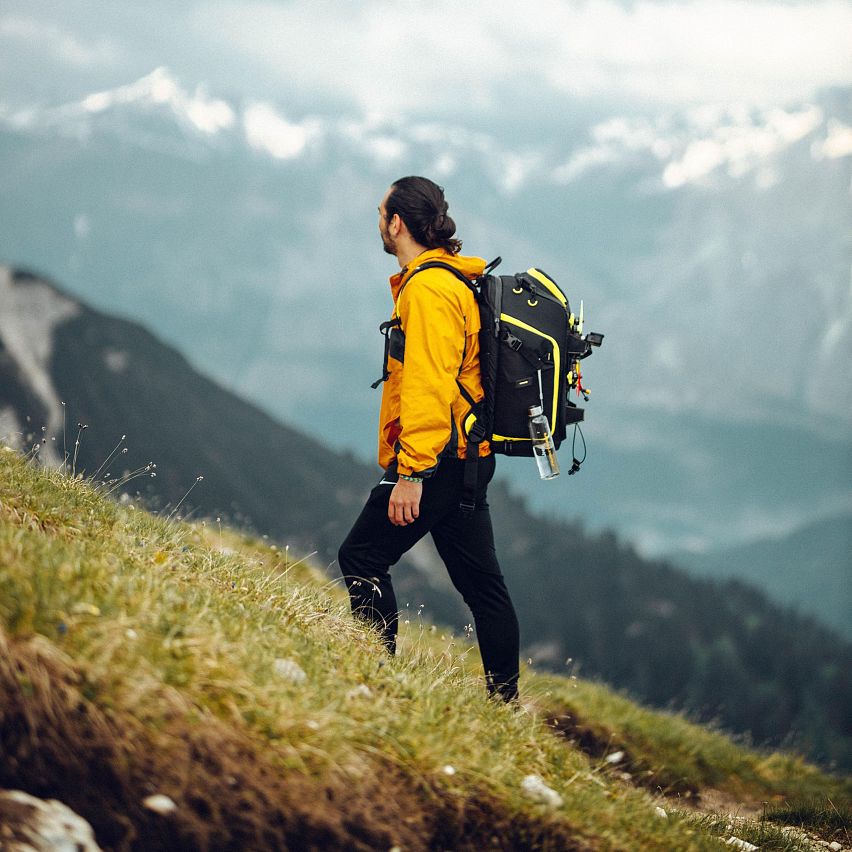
{"x":542,"y":443}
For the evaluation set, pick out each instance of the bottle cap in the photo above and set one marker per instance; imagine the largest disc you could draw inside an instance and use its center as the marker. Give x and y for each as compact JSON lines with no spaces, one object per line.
{"x":535,"y":410}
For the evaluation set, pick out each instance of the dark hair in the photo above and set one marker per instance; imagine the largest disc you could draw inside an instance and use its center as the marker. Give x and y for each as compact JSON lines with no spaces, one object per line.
{"x":419,"y":202}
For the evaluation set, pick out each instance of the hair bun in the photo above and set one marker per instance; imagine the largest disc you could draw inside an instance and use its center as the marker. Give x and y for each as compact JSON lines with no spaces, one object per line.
{"x":421,"y":205}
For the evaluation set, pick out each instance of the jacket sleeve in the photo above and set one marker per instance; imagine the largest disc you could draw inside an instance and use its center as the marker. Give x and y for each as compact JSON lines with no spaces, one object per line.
{"x":434,"y":327}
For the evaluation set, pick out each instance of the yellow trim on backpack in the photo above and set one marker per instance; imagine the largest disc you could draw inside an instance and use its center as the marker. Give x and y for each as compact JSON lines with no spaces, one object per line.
{"x":556,"y":369}
{"x":542,"y":278}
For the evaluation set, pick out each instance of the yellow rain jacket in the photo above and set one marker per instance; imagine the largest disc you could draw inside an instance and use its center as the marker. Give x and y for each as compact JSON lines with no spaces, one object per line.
{"x":423,"y":411}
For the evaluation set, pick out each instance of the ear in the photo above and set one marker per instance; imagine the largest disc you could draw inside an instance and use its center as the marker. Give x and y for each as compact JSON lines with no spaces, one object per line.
{"x":395,"y":224}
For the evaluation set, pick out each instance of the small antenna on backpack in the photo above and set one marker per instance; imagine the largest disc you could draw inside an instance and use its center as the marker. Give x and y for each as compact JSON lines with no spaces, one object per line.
{"x":492,"y":266}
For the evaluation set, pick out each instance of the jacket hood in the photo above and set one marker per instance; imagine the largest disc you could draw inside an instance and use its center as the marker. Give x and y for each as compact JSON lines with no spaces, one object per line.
{"x":467,"y":265}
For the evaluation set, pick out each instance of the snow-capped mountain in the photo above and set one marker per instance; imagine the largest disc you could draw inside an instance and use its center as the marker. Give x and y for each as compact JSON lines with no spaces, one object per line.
{"x":711,"y":245}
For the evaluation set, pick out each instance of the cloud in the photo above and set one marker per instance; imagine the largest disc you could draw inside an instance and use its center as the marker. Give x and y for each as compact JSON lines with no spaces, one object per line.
{"x":706,"y":50}
{"x":37,"y":35}
{"x":412,"y":58}
{"x":468,"y":63}
{"x":266,"y":130}
{"x":837,"y":143}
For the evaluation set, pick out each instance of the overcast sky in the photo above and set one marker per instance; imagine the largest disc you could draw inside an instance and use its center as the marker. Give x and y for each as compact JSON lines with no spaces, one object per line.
{"x":489,"y":60}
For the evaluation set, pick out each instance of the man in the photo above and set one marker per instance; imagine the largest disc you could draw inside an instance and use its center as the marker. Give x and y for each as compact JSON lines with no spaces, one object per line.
{"x":432,"y":353}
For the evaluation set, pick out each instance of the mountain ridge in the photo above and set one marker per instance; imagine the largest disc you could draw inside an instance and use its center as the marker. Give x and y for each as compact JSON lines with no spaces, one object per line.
{"x":809,"y":569}
{"x":641,"y":625}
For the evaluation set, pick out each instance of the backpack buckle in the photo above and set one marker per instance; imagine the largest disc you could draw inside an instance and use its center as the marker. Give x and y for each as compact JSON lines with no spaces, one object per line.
{"x":477,"y":433}
{"x":467,"y":506}
{"x":512,"y":341}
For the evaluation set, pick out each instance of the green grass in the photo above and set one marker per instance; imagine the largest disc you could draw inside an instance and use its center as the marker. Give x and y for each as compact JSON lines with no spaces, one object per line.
{"x":822,"y":815}
{"x":161,"y":619}
{"x":669,"y":752}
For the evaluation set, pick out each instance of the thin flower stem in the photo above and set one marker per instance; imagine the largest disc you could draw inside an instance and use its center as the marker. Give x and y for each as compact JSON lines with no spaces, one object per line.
{"x":141,"y":471}
{"x":189,"y":490}
{"x":64,"y":441}
{"x":109,"y":458}
{"x":80,"y":428}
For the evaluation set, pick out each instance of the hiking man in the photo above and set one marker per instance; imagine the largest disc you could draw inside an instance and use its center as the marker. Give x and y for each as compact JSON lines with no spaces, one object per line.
{"x":431,"y":373}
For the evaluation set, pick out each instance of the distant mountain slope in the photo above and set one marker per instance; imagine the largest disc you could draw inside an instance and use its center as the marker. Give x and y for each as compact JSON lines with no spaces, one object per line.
{"x":117,"y":379}
{"x":711,"y":245}
{"x":719,"y":651}
{"x":810,"y":569}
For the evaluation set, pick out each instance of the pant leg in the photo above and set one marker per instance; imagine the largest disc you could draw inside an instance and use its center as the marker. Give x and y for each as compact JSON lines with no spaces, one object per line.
{"x":374,"y":544}
{"x":466,"y":545}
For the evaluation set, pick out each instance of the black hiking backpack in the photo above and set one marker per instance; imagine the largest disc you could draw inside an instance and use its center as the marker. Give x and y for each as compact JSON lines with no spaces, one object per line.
{"x":530,"y":348}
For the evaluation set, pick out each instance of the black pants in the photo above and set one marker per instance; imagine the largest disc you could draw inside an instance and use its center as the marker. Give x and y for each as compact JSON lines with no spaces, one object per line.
{"x":466,"y":544}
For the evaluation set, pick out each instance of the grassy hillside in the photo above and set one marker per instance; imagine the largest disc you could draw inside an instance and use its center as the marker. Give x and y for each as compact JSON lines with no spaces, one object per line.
{"x":143,"y":656}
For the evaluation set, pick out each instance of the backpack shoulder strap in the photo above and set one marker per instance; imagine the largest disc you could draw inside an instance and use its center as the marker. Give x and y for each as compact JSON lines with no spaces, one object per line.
{"x":471,"y":283}
{"x":471,"y":466}
{"x":439,"y":264}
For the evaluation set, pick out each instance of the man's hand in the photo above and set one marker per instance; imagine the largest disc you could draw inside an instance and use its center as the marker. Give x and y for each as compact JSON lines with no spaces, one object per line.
{"x":404,"y":504}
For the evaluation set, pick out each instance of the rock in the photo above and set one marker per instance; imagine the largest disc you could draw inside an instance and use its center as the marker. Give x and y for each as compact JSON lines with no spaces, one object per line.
{"x":28,"y":824}
{"x":741,"y":844}
{"x":615,"y":757}
{"x":160,"y":804}
{"x":660,"y":812}
{"x":536,"y":789}
{"x":835,"y":846}
{"x":289,"y":670}
{"x":360,"y":691}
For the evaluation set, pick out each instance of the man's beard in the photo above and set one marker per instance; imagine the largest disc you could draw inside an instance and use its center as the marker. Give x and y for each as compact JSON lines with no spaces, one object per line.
{"x":388,"y":243}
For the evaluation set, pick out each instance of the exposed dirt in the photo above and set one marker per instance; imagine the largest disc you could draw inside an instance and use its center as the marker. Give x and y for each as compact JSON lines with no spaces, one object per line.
{"x":712,"y":801}
{"x":597,"y":743}
{"x":55,"y":743}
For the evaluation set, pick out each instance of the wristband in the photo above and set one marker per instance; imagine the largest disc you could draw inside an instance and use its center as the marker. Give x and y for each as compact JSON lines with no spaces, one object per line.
{"x":411,"y":478}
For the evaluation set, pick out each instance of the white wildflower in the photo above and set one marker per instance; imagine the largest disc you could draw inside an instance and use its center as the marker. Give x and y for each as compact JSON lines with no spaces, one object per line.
{"x":615,"y":757}
{"x":536,"y":789}
{"x":449,"y":770}
{"x":130,"y":633}
{"x":290,"y":670}
{"x":360,"y":691}
{"x":660,"y":812}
